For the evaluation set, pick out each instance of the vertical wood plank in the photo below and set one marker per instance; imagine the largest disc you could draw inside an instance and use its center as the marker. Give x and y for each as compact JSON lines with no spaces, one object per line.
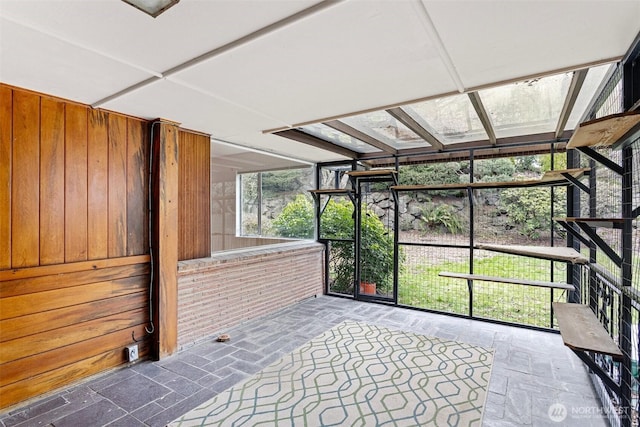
{"x":98,"y":185}
{"x":165,"y":238}
{"x":25,"y":183}
{"x":205,"y":191}
{"x":117,"y":238}
{"x":6,"y":138}
{"x":76,"y":245}
{"x":194,"y":222}
{"x":52,"y":178}
{"x":137,"y":178}
{"x":184,"y":218}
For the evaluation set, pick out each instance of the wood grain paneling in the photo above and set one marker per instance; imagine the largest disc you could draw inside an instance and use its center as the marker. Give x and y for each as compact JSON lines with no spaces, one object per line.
{"x":194,"y":222}
{"x":39,"y":384}
{"x":6,"y":138}
{"x":137,"y":199}
{"x":117,"y":238}
{"x":75,"y":246}
{"x":52,"y":179}
{"x":73,"y":196}
{"x":23,"y":305}
{"x":98,"y":185}
{"x":47,"y":341}
{"x":49,"y":270}
{"x":11,"y":288}
{"x":47,"y":334}
{"x":25,"y":180}
{"x":165,"y":238}
{"x":24,"y":368}
{"x":66,"y":316}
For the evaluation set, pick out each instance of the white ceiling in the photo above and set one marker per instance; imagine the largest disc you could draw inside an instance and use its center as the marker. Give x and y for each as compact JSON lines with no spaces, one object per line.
{"x":266,"y":71}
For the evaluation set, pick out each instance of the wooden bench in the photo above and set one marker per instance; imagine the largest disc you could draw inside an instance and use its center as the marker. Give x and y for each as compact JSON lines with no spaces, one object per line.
{"x":581,"y":330}
{"x":552,"y":285}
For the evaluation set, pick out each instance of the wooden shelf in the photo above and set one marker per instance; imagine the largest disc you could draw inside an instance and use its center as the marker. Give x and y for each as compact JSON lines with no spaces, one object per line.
{"x":604,"y":132}
{"x":419,"y":187}
{"x":537,"y":283}
{"x":595,"y":222}
{"x":372,"y":173}
{"x":331,"y":192}
{"x":555,"y":177}
{"x":558,"y":175}
{"x":551,"y":253}
{"x":581,"y":330}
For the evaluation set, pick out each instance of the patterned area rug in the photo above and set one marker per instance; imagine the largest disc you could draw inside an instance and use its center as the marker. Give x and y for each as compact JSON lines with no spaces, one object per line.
{"x":358,"y":374}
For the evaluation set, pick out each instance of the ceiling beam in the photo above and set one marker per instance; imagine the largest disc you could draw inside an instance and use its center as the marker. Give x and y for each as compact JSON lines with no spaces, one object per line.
{"x":362,"y":135}
{"x":258,"y":34}
{"x":408,"y":119}
{"x":521,"y":142}
{"x":484,"y":116}
{"x":305,"y":138}
{"x":570,"y":100}
{"x":458,"y":156}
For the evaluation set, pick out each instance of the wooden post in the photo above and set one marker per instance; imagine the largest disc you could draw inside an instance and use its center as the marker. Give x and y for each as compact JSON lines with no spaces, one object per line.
{"x":165,"y":236}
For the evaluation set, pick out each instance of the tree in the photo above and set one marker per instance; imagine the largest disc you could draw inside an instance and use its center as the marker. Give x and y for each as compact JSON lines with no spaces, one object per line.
{"x":337,"y":224}
{"x":296,"y":219}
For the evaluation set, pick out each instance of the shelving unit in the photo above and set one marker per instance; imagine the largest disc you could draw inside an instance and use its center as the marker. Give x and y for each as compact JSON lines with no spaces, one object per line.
{"x":550,"y":178}
{"x":581,"y":326}
{"x":615,"y":130}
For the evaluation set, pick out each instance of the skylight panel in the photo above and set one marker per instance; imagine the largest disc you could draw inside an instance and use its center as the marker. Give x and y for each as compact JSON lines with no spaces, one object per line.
{"x":339,"y":138}
{"x":594,"y":78}
{"x":528,"y":107}
{"x":451,"y":120}
{"x":392,"y":131}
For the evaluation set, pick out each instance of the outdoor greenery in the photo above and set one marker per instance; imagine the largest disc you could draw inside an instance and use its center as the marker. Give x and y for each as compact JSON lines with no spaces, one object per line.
{"x":285,"y":181}
{"x":436,"y":216}
{"x":494,"y":170}
{"x":529,"y":209}
{"x":377,"y":248}
{"x":296,"y":219}
{"x":420,"y":286}
{"x":376,"y":253}
{"x":263,"y":196}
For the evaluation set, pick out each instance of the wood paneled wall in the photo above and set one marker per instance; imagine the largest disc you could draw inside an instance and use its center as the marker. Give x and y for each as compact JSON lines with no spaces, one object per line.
{"x":74,"y":263}
{"x":64,"y":322}
{"x":194,"y":221}
{"x":73,"y":182}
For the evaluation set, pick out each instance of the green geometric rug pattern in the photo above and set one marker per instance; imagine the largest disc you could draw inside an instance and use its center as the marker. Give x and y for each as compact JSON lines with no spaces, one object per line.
{"x":357,"y":374}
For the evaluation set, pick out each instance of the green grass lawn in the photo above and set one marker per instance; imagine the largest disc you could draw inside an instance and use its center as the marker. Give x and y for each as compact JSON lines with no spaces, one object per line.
{"x":420,"y":286}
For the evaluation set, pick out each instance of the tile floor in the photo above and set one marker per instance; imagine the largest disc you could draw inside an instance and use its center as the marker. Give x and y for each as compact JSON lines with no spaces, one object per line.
{"x":532,"y":370}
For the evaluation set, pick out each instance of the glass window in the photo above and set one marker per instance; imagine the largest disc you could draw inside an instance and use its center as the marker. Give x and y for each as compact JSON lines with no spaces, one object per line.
{"x":339,"y":138}
{"x":451,"y":120}
{"x":384,"y":127}
{"x":591,"y":83}
{"x":528,"y":107}
{"x":277,"y":204}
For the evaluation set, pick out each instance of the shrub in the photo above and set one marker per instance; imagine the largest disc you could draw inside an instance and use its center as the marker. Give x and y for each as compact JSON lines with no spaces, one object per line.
{"x":296,"y":219}
{"x":376,"y":255}
{"x":441,"y":215}
{"x":433,"y":173}
{"x":529,"y":209}
{"x":502,"y":167}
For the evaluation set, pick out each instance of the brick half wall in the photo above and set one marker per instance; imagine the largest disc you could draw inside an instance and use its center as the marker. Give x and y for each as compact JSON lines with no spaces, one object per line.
{"x":229,"y":288}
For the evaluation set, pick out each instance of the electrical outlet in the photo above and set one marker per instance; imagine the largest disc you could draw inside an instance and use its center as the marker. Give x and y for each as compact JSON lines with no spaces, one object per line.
{"x":132,"y":352}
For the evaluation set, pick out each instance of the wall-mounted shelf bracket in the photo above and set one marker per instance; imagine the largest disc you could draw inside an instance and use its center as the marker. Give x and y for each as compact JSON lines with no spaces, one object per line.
{"x":590,"y":152}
